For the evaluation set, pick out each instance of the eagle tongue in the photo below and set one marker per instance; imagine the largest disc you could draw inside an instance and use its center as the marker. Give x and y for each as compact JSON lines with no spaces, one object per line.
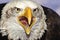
{"x":24,"y":21}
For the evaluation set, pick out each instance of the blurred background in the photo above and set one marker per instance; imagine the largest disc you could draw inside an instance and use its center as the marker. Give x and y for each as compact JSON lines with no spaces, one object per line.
{"x":53,"y":4}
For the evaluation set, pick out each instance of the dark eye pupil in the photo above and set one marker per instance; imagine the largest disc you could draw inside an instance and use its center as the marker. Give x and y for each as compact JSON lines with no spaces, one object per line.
{"x":34,"y":10}
{"x":18,"y":9}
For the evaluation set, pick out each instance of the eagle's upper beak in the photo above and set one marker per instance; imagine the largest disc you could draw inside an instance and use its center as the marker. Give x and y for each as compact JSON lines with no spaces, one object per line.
{"x":28,"y":14}
{"x":26,"y":20}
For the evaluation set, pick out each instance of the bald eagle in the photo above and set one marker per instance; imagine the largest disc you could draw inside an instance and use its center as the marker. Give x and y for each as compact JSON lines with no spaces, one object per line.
{"x":27,"y":20}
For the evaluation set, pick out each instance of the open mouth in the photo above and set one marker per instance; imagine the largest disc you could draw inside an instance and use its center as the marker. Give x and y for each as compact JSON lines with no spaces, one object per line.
{"x":24,"y":20}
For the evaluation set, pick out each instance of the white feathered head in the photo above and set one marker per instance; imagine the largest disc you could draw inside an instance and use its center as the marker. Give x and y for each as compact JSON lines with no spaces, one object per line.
{"x":23,"y":19}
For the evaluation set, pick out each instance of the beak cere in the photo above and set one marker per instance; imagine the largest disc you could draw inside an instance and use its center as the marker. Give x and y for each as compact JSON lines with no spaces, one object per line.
{"x":26,"y":20}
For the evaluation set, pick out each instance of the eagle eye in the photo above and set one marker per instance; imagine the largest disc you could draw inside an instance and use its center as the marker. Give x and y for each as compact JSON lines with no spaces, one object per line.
{"x":18,"y":9}
{"x":35,"y":10}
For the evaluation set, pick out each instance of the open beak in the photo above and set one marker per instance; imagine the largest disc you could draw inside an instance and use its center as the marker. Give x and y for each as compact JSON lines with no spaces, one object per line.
{"x":26,"y":20}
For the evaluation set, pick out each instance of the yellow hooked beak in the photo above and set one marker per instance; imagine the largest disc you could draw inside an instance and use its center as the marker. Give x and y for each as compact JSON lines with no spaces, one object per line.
{"x":28,"y":14}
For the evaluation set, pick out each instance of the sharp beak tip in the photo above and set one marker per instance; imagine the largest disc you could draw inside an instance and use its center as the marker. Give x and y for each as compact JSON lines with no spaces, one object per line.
{"x":28,"y":33}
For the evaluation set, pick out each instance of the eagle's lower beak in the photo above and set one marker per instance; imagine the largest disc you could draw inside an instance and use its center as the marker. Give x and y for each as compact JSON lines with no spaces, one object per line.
{"x":26,"y":20}
{"x":27,"y":30}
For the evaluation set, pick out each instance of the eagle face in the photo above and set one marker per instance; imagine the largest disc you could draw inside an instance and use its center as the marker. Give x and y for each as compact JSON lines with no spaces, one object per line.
{"x":23,"y":20}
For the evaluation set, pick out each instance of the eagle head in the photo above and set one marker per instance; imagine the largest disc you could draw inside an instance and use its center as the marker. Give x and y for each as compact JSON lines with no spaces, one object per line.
{"x":23,"y":19}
